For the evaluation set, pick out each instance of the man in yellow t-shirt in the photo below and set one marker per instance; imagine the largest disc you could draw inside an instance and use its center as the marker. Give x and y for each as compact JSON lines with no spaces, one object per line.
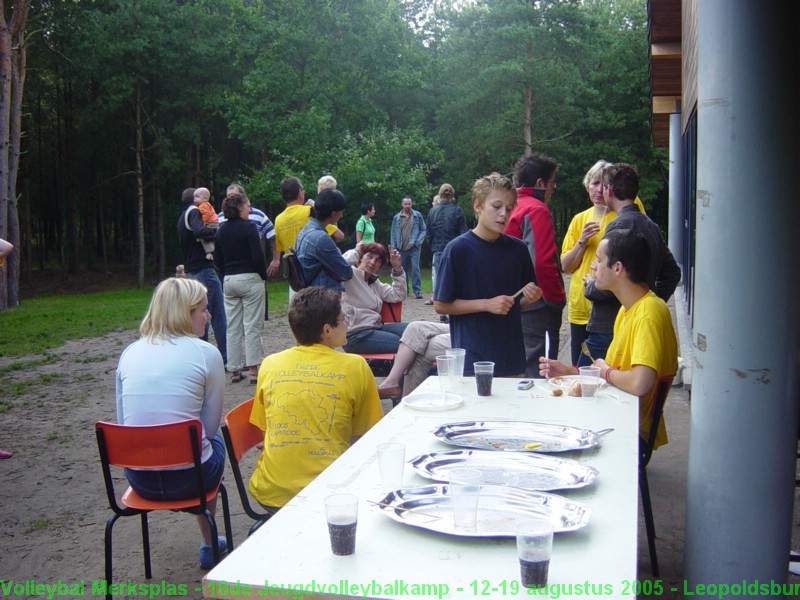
{"x":644,"y":347}
{"x":311,"y":401}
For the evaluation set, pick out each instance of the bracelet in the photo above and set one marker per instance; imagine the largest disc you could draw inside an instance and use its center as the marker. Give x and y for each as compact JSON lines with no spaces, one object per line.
{"x":581,"y":243}
{"x":398,"y":271}
{"x":608,"y":374}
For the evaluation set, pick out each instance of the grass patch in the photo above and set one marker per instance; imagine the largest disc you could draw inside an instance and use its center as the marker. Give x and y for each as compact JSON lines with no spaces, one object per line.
{"x":48,"y":321}
{"x":36,"y":524}
{"x":21,"y":365}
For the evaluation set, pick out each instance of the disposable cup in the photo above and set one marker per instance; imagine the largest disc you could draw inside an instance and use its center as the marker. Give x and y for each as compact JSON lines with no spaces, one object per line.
{"x":459,"y":353}
{"x":391,"y":461}
{"x":446,"y":370}
{"x":599,"y":213}
{"x":465,"y":487}
{"x":341,"y":512}
{"x":590,"y":381}
{"x":534,"y":549}
{"x":484,"y":373}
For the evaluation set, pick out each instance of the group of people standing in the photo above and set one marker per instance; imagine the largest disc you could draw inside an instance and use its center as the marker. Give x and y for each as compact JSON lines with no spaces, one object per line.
{"x":499,"y":283}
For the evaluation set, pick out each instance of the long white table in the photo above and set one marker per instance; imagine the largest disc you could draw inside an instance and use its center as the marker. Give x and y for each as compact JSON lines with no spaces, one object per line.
{"x":392,"y":560}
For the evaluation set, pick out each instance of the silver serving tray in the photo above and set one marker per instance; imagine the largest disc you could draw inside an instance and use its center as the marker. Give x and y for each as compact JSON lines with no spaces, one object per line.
{"x":515,"y":435}
{"x":527,"y":470}
{"x":499,"y":508}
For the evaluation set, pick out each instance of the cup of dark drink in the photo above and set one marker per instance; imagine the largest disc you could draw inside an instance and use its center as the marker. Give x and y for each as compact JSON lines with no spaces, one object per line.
{"x":484,"y":373}
{"x":534,"y":548}
{"x":341,"y":511}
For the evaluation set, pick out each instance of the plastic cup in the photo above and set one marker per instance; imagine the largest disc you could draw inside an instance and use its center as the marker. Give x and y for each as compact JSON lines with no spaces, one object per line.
{"x":534,"y":548}
{"x":459,"y":353}
{"x":599,"y":213}
{"x":465,"y":488}
{"x":391,"y":461}
{"x":590,"y":381}
{"x":341,"y":512}
{"x":484,"y":373}
{"x":446,"y":370}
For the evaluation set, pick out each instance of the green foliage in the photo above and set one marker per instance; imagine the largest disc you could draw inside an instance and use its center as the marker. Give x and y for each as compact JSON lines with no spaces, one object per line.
{"x":393,"y":98}
{"x":48,"y":321}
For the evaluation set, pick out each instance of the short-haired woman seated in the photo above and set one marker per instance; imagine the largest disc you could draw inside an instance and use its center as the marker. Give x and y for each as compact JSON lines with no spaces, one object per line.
{"x":171,"y":375}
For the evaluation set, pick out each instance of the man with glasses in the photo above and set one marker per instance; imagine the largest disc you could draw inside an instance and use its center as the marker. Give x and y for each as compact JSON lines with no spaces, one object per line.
{"x":311,"y":401}
{"x":531,"y":221}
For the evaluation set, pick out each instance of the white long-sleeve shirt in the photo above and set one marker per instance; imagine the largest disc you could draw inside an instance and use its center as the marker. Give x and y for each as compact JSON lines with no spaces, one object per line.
{"x":172,"y":380}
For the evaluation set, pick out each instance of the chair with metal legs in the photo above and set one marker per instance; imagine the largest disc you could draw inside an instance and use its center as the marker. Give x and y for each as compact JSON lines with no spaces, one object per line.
{"x":155,"y":447}
{"x":240,"y":437}
{"x":663,"y":386}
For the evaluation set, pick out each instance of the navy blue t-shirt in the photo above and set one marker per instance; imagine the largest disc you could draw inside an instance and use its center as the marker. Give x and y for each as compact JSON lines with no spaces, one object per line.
{"x":470,"y":269}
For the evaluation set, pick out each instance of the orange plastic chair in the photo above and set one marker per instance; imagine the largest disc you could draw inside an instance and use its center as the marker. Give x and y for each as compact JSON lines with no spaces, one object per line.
{"x":241,"y":436}
{"x":155,"y":447}
{"x":663,"y":386}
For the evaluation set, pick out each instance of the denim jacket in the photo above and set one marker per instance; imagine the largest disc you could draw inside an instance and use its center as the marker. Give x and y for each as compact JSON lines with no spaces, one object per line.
{"x":320,"y":258}
{"x":415,"y":237}
{"x":445,"y":222}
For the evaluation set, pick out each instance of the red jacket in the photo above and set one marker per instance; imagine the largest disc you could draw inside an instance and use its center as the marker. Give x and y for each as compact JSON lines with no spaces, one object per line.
{"x":532,"y":222}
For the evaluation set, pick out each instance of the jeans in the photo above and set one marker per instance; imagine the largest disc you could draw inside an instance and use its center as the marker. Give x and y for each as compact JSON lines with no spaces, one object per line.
{"x":598,"y":344}
{"x":410,"y":263}
{"x":244,"y":308}
{"x":216,"y":306}
{"x":180,"y":484}
{"x":437,"y":257}
{"x":535,"y":323}
{"x":577,"y":334}
{"x":376,"y":341}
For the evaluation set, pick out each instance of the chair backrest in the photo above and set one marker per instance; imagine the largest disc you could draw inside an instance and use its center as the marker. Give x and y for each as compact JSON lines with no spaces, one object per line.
{"x":242,"y":433}
{"x":392,"y":312}
{"x":240,"y":436}
{"x":151,"y":446}
{"x":663,"y":386}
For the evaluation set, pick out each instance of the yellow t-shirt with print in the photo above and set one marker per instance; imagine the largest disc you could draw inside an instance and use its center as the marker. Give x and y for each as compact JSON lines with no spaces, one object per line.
{"x":309,"y":401}
{"x":643,"y":335}
{"x":289,"y":223}
{"x":578,"y":307}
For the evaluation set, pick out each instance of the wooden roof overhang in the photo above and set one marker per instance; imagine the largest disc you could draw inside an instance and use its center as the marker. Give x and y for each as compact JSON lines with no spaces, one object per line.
{"x":664,"y":32}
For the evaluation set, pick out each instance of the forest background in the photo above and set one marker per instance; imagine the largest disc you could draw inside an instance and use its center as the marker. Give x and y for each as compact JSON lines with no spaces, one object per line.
{"x":127,"y":102}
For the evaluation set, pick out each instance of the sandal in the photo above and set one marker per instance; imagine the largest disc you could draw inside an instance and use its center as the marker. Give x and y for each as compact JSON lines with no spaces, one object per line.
{"x":252,"y":379}
{"x":429,"y":301}
{"x":236,"y":376}
{"x":5,"y":454}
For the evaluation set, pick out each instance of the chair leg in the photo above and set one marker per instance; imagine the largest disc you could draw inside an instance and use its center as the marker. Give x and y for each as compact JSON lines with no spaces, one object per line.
{"x":649,"y":524}
{"x":212,"y":525}
{"x":109,"y":554}
{"x":226,"y":515}
{"x":148,"y":571}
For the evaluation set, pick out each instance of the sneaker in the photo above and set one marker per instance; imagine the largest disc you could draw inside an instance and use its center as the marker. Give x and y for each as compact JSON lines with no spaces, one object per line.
{"x":418,"y":296}
{"x":444,"y":319}
{"x":207,"y":553}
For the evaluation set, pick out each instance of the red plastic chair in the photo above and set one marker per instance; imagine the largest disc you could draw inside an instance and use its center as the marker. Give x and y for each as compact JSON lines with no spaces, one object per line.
{"x":663,"y":386}
{"x":241,"y":436}
{"x":155,"y":447}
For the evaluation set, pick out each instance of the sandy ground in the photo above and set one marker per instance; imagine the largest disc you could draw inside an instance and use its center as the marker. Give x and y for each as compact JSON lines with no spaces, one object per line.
{"x":53,"y":499}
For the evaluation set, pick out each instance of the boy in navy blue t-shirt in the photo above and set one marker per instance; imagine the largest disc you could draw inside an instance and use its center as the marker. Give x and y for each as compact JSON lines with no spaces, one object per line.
{"x":481,"y":275}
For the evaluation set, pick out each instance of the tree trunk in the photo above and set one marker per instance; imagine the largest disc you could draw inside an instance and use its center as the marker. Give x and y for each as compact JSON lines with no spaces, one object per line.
{"x":161,"y":247}
{"x":12,"y":84}
{"x":526,"y":120}
{"x":139,"y":192}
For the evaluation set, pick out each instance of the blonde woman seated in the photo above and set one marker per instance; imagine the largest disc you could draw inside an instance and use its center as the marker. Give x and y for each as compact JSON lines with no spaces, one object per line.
{"x":170,"y":375}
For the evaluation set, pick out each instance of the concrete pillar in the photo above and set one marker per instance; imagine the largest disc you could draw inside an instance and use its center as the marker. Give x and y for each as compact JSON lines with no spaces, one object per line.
{"x":677,"y":205}
{"x":745,"y":397}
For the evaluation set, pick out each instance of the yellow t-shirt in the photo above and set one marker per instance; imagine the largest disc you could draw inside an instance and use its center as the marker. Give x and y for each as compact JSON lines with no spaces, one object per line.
{"x":289,"y":223}
{"x":643,"y":335}
{"x":309,"y":401}
{"x":578,"y":307}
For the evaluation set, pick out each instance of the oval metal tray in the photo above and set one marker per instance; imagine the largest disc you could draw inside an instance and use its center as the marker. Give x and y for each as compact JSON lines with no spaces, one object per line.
{"x":529,"y":471}
{"x":514,"y":436}
{"x":499,"y":508}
